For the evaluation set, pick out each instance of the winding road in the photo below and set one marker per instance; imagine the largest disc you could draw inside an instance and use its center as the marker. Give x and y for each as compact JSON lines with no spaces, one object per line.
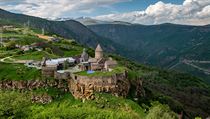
{"x":190,"y":63}
{"x":14,"y":60}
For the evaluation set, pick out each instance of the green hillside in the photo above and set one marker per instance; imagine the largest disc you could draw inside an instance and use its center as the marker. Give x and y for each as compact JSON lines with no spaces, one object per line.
{"x":179,"y":90}
{"x":16,"y":104}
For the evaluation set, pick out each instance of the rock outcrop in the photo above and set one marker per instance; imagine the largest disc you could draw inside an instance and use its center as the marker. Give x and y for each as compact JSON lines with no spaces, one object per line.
{"x":44,"y":99}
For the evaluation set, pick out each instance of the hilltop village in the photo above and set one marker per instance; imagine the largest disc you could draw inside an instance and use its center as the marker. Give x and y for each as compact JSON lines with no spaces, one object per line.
{"x":84,"y":74}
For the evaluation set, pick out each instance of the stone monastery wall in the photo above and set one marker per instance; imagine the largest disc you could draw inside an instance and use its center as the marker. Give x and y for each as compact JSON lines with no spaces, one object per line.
{"x":84,"y":86}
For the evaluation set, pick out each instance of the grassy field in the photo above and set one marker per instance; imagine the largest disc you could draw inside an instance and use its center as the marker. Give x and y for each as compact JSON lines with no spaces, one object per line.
{"x":12,"y":35}
{"x":14,"y":104}
{"x":68,"y":49}
{"x":7,"y":53}
{"x":104,"y":107}
{"x":37,"y":55}
{"x":17,"y":105}
{"x":101,"y":73}
{"x":18,"y":72}
{"x":63,"y":48}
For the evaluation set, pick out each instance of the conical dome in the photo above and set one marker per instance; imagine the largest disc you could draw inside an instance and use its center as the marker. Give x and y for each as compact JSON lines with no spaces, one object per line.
{"x":98,"y":48}
{"x":98,"y":52}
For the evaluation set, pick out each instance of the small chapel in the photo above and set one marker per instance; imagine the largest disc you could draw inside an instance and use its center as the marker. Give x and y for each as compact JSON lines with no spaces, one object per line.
{"x":98,"y":63}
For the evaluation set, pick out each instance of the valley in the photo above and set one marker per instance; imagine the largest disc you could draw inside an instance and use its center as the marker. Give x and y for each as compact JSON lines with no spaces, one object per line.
{"x":165,"y":45}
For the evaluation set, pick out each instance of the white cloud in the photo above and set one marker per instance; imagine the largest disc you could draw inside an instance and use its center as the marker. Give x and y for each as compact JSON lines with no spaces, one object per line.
{"x":191,"y":12}
{"x":56,"y":8}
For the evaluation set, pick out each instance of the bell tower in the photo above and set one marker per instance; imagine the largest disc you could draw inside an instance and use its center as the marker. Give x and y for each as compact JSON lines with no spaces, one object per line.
{"x":98,"y":52}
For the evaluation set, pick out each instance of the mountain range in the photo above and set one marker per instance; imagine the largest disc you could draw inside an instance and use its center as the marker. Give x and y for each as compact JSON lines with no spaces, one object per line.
{"x":70,"y":29}
{"x":170,"y":46}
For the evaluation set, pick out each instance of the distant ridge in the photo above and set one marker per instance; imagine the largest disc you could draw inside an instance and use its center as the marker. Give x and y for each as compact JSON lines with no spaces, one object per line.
{"x":68,"y":28}
{"x":162,"y":45}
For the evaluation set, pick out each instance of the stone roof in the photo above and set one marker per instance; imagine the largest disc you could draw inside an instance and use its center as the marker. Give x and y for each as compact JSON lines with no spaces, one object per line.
{"x":111,"y":62}
{"x":98,"y":48}
{"x":101,"y":61}
{"x":92,"y":60}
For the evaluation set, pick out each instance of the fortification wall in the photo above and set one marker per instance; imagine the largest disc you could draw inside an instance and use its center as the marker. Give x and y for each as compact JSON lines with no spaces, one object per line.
{"x":60,"y":76}
{"x":48,"y":71}
{"x":84,"y":86}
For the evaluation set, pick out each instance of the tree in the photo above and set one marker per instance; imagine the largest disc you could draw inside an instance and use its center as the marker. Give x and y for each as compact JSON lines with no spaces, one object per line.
{"x":11,"y":45}
{"x":48,"y":50}
{"x":14,"y":104}
{"x":160,"y":111}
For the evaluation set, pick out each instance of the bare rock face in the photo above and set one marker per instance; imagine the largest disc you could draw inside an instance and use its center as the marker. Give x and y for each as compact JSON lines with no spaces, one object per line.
{"x":44,"y":99}
{"x":122,"y":86}
{"x":139,"y":88}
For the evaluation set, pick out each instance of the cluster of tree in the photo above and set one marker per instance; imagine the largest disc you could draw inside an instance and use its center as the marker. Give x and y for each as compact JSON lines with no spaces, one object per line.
{"x":14,"y":105}
{"x":182,"y":92}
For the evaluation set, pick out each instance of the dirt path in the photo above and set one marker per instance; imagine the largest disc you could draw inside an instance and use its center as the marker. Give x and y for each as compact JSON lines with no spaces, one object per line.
{"x":14,"y":60}
{"x":3,"y":59}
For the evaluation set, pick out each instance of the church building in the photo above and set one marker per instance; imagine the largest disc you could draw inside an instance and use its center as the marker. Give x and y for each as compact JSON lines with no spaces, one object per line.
{"x":98,"y":63}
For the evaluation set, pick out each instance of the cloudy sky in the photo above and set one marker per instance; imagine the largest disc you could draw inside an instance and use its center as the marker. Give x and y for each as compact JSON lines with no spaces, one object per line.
{"x":191,"y":12}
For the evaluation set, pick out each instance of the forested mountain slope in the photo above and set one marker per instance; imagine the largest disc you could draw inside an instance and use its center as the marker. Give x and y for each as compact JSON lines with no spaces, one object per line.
{"x":166,"y":45}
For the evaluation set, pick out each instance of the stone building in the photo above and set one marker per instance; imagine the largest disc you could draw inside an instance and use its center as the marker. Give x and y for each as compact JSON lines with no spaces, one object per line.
{"x":48,"y":71}
{"x":99,"y":62}
{"x":84,"y":66}
{"x":84,"y":86}
{"x":110,"y":64}
{"x":84,"y":56}
{"x":51,"y":66}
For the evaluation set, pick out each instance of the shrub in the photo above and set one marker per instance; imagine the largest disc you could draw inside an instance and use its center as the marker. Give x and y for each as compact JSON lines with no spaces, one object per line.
{"x":159,"y":111}
{"x":13,"y":104}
